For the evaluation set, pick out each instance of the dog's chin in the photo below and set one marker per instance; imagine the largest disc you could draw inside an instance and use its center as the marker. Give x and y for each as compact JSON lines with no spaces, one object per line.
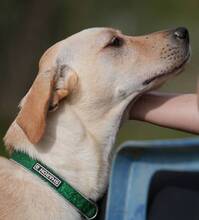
{"x":154,"y":83}
{"x":159,"y":79}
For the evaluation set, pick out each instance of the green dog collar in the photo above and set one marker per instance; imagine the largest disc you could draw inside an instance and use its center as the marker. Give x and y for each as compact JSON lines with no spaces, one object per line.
{"x":86,"y":207}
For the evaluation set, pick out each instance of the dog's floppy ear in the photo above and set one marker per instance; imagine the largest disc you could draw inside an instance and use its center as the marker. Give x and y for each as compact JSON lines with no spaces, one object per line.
{"x":46,"y":92}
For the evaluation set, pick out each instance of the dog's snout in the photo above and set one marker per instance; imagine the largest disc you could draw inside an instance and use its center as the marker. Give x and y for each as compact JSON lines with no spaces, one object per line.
{"x":182,"y":34}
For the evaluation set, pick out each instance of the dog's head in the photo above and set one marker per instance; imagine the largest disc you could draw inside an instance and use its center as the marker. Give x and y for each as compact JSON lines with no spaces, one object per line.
{"x":100,"y":68}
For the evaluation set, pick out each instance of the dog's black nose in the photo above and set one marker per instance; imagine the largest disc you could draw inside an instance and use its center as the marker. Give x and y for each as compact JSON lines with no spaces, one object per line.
{"x":181,"y":33}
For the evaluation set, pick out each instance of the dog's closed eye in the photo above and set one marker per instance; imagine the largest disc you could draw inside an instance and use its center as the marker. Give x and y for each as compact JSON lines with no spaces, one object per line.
{"x":115,"y":42}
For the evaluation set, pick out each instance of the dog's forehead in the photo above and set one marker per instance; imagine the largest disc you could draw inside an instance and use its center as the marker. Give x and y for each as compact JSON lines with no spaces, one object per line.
{"x":93,"y":35}
{"x":96,"y":32}
{"x":82,"y":39}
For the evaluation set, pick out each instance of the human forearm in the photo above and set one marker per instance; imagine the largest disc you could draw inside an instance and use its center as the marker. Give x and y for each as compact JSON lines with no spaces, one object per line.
{"x":179,"y":111}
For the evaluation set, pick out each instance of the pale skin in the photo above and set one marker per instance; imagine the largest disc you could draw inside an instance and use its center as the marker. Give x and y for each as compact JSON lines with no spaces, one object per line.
{"x":178,"y":111}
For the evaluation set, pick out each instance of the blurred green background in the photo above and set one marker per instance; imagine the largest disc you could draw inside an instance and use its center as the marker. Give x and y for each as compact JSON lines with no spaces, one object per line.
{"x":28,"y":28}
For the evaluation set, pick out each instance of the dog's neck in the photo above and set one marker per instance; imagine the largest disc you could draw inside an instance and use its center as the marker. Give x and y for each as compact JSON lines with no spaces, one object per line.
{"x":77,"y":146}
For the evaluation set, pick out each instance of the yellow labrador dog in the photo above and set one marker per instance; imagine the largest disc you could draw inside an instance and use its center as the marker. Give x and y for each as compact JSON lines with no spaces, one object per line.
{"x":69,"y":118}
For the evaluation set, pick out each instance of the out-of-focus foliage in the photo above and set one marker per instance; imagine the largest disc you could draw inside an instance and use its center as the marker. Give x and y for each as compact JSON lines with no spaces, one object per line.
{"x":28,"y":28}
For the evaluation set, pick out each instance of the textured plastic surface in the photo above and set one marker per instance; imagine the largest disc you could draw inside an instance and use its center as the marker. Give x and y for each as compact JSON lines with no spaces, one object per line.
{"x":135,"y":164}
